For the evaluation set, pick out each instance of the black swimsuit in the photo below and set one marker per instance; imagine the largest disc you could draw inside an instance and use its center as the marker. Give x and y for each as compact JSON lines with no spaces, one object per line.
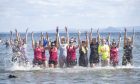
{"x":94,"y":55}
{"x":83,"y":59}
{"x":127,"y":57}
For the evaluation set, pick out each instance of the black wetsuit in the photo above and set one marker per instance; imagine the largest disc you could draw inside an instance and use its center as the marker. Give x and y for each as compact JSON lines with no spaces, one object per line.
{"x":83,"y":59}
{"x":94,"y":55}
{"x":127,"y":57}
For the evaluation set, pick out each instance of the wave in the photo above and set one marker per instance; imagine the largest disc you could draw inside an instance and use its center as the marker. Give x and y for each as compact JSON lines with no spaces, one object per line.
{"x":75,"y":69}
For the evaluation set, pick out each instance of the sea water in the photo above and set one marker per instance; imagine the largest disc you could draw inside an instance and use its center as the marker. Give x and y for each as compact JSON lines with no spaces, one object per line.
{"x":76,"y":75}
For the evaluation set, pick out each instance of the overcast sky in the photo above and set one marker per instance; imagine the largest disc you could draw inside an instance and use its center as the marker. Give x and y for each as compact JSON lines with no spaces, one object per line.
{"x":43,"y":15}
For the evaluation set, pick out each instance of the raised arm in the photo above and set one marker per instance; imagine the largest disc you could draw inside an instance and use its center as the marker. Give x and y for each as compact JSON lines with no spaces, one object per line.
{"x":79,"y":40}
{"x":47,"y":36}
{"x":98,"y":36}
{"x":90,"y":36}
{"x":33,"y":42}
{"x":11,"y":38}
{"x":133,"y":36}
{"x":87,"y":39}
{"x":26,"y":36}
{"x":48,"y":42}
{"x":119,"y":40}
{"x":67,"y":35}
{"x":125,"y":37}
{"x":41,"y":36}
{"x":17,"y":35}
{"x":108,"y":39}
{"x":57,"y":37}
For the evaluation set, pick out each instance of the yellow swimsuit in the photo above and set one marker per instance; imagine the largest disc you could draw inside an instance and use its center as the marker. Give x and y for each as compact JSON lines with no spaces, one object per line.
{"x":104,"y":51}
{"x":84,"y":49}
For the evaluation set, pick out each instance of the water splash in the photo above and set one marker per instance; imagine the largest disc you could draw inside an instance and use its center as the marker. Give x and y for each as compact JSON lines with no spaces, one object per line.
{"x":75,"y":69}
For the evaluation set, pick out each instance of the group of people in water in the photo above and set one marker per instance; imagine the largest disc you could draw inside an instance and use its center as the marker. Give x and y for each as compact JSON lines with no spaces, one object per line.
{"x":102,"y":50}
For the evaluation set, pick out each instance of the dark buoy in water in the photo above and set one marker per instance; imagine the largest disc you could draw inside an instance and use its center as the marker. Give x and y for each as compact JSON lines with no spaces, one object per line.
{"x":12,"y":76}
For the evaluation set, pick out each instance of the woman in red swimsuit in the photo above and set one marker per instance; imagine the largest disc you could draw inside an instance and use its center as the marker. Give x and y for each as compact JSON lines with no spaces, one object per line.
{"x":53,"y":51}
{"x":71,"y":54}
{"x":38,"y":52}
{"x":114,"y":50}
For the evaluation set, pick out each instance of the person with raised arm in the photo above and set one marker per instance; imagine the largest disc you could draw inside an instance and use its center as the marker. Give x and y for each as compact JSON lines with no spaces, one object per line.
{"x":45,"y":44}
{"x":104,"y":51}
{"x":38,"y":51}
{"x":71,"y":54}
{"x":128,"y":49}
{"x":15,"y":46}
{"x":53,"y":51}
{"x":94,"y":44}
{"x":23,"y":47}
{"x":63,"y":43}
{"x":45,"y":40}
{"x":83,"y":50}
{"x":114,"y":51}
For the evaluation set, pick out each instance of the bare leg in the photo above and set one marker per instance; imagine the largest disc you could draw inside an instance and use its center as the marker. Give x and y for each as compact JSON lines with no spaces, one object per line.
{"x":103,"y":63}
{"x":108,"y":62}
{"x":94,"y":65}
{"x":51,"y":65}
{"x":91,"y":65}
{"x":55,"y":66}
{"x":61,"y":62}
{"x":44,"y":64}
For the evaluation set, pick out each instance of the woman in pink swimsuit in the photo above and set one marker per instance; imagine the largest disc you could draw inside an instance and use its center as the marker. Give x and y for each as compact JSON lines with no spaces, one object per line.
{"x":71,"y":54}
{"x":53,"y":51}
{"x":38,"y":53}
{"x":53,"y":60}
{"x":114,"y":51}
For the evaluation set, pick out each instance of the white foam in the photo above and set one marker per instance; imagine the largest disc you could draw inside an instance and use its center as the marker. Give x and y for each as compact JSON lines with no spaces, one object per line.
{"x":16,"y":67}
{"x":75,"y":69}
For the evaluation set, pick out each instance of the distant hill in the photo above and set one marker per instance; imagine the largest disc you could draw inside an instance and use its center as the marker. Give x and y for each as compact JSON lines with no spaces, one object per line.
{"x":75,"y":30}
{"x":112,"y":29}
{"x":121,"y":29}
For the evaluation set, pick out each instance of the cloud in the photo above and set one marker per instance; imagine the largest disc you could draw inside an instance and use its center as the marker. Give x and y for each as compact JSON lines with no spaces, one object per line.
{"x":74,"y":13}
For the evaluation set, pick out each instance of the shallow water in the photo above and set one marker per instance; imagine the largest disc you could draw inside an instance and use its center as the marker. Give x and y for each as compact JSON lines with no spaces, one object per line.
{"x":78,"y":75}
